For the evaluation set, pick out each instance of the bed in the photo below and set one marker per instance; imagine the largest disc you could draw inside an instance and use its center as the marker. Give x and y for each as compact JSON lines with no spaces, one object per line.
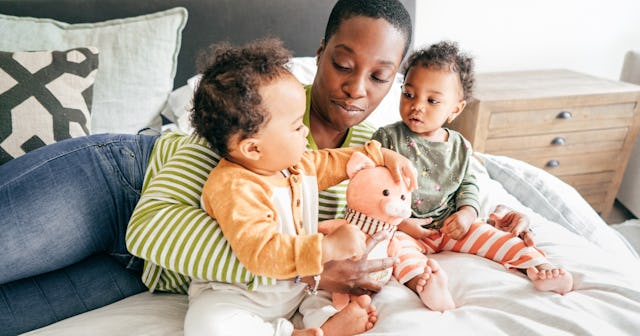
{"x":145,"y":75}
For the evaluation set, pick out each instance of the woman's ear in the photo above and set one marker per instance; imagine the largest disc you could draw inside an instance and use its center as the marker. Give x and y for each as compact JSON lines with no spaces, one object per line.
{"x":249,"y":148}
{"x":320,"y":50}
{"x":461,"y":105}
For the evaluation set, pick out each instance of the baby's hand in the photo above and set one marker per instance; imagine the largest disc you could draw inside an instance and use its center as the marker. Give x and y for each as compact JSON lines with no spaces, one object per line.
{"x":401,"y":168}
{"x":414,"y":227}
{"x":345,"y":242}
{"x":458,"y":223}
{"x":506,"y":219}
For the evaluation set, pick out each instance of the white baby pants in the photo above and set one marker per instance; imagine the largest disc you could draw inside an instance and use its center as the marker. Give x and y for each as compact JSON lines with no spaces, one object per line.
{"x":231,"y":309}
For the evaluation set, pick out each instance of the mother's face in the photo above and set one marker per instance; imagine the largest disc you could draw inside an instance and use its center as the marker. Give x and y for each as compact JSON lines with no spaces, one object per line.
{"x":356,"y":68}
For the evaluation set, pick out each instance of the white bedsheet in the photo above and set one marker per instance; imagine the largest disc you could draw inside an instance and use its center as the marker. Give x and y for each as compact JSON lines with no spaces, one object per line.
{"x":490,"y":300}
{"x":494,"y":301}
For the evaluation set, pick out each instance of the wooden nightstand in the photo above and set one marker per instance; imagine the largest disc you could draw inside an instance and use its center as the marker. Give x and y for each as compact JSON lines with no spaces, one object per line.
{"x":577,"y":127}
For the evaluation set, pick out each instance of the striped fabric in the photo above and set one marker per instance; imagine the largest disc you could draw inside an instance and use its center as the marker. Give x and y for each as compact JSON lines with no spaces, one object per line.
{"x":368,"y":225}
{"x":483,"y":240}
{"x":176,"y":238}
{"x":411,"y":258}
{"x":333,"y":201}
{"x":170,"y":231}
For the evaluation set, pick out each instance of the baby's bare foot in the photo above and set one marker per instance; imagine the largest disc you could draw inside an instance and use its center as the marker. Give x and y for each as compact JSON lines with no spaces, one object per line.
{"x":357,"y":317}
{"x":548,"y":278}
{"x":433,"y":288}
{"x":308,"y":332}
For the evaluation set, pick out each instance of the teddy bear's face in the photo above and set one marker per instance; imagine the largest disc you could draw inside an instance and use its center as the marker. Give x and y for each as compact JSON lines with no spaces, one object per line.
{"x":373,"y":192}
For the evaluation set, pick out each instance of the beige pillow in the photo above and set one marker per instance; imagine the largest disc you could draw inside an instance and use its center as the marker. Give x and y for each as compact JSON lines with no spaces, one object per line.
{"x":138,"y":57}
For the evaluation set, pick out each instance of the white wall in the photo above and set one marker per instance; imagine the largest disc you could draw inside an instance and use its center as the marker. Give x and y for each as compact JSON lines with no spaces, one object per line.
{"x":589,"y":36}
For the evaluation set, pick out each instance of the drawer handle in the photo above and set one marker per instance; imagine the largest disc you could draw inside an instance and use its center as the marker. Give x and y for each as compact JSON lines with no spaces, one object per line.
{"x":564,"y":115}
{"x":559,"y":141}
{"x":553,"y":163}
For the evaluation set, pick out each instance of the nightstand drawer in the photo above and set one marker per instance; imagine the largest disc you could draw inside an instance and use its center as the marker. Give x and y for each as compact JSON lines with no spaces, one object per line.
{"x":562,"y":119}
{"x":558,"y":143}
{"x":561,"y":165}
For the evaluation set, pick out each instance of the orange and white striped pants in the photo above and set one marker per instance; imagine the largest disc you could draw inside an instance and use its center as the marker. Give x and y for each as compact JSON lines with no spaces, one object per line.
{"x":482,"y":239}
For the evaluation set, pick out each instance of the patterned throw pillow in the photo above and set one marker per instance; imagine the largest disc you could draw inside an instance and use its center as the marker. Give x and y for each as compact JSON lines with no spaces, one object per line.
{"x":138,"y":60}
{"x":45,"y":97}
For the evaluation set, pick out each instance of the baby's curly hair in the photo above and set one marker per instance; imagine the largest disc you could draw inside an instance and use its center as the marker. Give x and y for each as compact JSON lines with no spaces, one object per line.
{"x":446,"y":55}
{"x":227,"y":101}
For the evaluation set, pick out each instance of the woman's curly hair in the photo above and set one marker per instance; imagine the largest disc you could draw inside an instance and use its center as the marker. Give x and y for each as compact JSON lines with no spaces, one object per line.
{"x":227,"y":101}
{"x":446,"y":55}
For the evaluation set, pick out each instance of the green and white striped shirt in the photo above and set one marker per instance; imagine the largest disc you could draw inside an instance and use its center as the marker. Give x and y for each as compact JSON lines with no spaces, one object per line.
{"x":176,"y":238}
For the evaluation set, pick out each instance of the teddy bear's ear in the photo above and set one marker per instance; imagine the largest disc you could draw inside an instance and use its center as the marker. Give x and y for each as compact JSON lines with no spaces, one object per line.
{"x":358,"y":162}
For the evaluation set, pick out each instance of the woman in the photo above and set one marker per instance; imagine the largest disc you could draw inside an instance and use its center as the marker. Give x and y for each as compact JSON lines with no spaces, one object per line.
{"x":355,"y":71}
{"x":66,"y":206}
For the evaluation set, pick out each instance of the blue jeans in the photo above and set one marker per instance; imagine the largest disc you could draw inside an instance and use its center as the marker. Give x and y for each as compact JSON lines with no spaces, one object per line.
{"x":64,"y":213}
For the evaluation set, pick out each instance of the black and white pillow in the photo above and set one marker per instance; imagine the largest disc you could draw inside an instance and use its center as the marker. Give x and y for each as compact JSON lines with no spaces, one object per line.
{"x":45,"y":97}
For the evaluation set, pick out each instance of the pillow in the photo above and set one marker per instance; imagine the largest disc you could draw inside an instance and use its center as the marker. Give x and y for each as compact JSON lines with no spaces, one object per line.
{"x":304,"y":69}
{"x":630,"y":230}
{"x":138,"y":59}
{"x":543,"y":192}
{"x":543,"y":198}
{"x":552,"y":198}
{"x":45,"y":96}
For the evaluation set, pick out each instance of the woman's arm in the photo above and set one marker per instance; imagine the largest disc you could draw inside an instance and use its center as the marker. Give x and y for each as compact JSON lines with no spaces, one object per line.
{"x":176,"y":238}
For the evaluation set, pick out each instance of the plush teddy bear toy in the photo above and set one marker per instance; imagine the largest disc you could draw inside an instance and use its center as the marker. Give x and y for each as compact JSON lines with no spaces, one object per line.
{"x":375,"y":202}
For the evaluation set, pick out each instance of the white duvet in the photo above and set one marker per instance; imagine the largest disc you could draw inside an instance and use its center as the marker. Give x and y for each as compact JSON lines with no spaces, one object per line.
{"x":490,"y":300}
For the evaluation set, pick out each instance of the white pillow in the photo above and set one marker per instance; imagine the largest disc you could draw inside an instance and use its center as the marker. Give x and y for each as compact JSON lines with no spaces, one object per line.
{"x":304,"y":68}
{"x":388,"y":111}
{"x":138,"y":57}
{"x":544,"y":193}
{"x":630,"y":230}
{"x":180,"y":103}
{"x":553,"y":199}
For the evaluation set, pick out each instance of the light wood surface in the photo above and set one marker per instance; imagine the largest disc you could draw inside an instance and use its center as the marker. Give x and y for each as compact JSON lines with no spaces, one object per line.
{"x":577,"y":127}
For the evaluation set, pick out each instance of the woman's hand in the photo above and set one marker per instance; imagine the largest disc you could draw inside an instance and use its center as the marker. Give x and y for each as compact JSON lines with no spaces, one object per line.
{"x":506,"y":219}
{"x":401,"y":168}
{"x":345,"y":242}
{"x":352,"y":276}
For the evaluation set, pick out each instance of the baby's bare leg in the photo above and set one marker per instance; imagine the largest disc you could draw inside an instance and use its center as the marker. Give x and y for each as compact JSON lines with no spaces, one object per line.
{"x":549,"y":278}
{"x":357,"y":317}
{"x":433,"y":287}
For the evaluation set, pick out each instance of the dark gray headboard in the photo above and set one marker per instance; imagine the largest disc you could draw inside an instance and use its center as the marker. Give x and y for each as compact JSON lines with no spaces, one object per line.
{"x":300,"y":24}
